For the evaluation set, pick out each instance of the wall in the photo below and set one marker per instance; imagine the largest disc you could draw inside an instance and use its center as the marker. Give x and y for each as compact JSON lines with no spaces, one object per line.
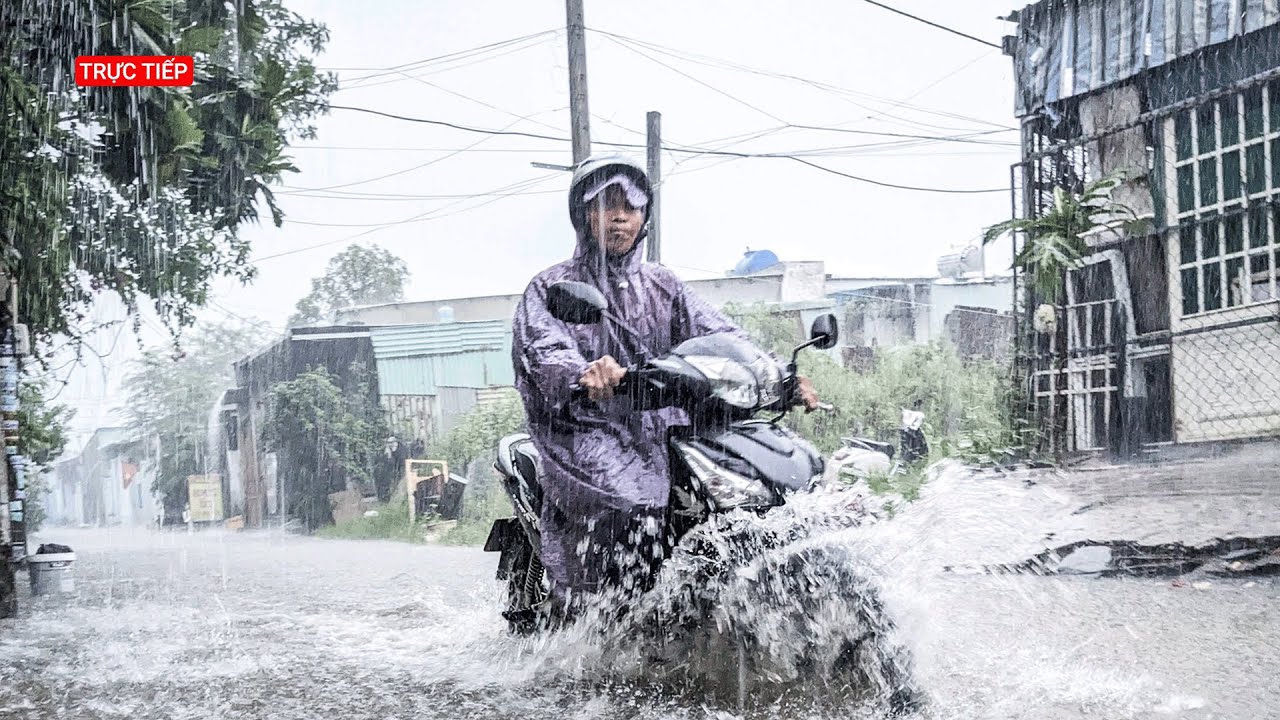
{"x":980,"y":332}
{"x":743,"y":290}
{"x":793,"y":282}
{"x":946,"y":296}
{"x":891,"y":313}
{"x":491,"y":307}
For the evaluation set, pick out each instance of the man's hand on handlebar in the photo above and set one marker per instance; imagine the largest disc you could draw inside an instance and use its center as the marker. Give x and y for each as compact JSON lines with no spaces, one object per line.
{"x":807,"y":395}
{"x":602,"y":378}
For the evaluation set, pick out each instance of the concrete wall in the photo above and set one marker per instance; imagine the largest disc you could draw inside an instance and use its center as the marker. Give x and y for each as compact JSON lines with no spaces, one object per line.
{"x":794,"y":282}
{"x":803,"y":281}
{"x":743,"y":290}
{"x":906,"y":312}
{"x":945,"y":297}
{"x":491,"y":307}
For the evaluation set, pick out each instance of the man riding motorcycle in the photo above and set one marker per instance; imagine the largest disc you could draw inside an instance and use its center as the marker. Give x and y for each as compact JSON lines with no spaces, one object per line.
{"x":605,"y":468}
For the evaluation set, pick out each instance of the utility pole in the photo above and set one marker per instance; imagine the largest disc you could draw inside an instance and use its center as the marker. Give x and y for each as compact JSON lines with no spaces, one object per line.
{"x":653,"y":146}
{"x":579,"y":115}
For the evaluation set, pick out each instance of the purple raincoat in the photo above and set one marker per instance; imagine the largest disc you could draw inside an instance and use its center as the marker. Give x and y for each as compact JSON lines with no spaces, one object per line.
{"x":604,"y":468}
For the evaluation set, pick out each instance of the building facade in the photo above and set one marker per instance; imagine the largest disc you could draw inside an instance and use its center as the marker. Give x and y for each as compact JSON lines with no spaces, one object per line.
{"x":1168,"y":336}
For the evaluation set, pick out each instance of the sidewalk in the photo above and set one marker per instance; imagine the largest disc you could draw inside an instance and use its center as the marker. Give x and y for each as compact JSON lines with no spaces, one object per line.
{"x":970,"y":518}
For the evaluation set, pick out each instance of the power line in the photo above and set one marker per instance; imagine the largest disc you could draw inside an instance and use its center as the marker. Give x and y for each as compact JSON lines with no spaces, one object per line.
{"x":417,"y":218}
{"x":709,"y":86}
{"x":841,"y":92}
{"x":376,"y":197}
{"x":699,"y":151}
{"x":953,"y":31}
{"x":896,"y":186}
{"x":402,"y":76}
{"x":470,"y":52}
{"x":495,"y":197}
{"x":490,"y":133}
{"x":935,"y":83}
{"x":476,"y":60}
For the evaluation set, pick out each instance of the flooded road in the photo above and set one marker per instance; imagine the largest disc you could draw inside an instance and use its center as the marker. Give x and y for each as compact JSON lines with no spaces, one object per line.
{"x":218,"y":625}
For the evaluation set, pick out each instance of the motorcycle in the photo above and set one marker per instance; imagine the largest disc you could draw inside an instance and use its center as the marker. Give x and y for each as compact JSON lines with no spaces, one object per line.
{"x":860,"y":459}
{"x":725,"y":466}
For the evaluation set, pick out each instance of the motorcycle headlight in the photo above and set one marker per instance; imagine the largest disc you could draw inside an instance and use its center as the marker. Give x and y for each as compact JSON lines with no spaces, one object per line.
{"x":726,"y":489}
{"x":730,"y":381}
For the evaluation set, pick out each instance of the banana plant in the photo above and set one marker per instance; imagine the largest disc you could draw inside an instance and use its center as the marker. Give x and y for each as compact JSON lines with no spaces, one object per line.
{"x":1056,"y":241}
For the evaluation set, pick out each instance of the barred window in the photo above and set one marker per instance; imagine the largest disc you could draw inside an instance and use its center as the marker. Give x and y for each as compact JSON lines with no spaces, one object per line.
{"x":1227,"y":176}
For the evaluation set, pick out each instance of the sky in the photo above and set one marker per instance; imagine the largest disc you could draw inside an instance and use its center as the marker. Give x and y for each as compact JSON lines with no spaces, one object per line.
{"x":471,"y":216}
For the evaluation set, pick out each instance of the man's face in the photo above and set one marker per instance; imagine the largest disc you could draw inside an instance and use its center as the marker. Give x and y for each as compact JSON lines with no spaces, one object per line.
{"x":614,"y":223}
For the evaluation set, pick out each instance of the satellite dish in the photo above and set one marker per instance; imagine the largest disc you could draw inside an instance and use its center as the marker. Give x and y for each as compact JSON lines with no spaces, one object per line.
{"x":958,"y":264}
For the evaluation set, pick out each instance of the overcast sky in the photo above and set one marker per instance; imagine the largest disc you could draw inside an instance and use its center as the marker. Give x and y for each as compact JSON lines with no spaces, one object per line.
{"x":727,"y":75}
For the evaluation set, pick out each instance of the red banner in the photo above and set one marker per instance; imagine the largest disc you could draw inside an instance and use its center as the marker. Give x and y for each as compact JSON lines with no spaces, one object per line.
{"x":135,"y":71}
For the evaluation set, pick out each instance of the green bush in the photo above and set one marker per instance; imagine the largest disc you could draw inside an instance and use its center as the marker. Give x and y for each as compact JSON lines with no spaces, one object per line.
{"x":391,"y":523}
{"x":966,"y":402}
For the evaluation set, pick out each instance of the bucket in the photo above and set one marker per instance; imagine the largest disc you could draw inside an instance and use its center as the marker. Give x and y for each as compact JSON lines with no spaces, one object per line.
{"x":51,"y":573}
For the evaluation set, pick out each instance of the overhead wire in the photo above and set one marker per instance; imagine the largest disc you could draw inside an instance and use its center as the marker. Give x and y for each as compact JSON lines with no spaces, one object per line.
{"x":939,"y":26}
{"x":707,"y":85}
{"x":392,"y":78}
{"x":480,"y":49}
{"x":494,"y":195}
{"x":466,"y":128}
{"x":845,"y":93}
{"x":419,"y":166}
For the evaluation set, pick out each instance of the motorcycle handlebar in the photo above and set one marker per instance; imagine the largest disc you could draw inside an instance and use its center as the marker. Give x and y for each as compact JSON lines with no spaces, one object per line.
{"x":577,"y":392}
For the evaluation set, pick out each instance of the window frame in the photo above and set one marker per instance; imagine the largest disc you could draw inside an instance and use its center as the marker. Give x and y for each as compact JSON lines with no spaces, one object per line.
{"x":1217,"y":289}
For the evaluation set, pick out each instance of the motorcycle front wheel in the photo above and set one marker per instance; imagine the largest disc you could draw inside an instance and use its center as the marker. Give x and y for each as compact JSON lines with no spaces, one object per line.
{"x":526,"y":590}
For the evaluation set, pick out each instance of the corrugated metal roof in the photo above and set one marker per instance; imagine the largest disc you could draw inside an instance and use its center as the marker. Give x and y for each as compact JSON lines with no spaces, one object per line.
{"x":420,"y":359}
{"x":1070,"y":47}
{"x":394,"y":341}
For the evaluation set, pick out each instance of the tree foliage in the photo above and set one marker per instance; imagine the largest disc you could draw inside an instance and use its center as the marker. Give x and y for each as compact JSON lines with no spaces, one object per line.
{"x":356,"y":276}
{"x":42,"y":434}
{"x":965,"y":402}
{"x":171,"y":399}
{"x":479,"y":431}
{"x":328,"y":432}
{"x":140,"y":191}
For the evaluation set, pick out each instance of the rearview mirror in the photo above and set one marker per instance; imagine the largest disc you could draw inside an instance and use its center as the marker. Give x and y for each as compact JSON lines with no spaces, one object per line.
{"x":826,"y":331}
{"x":576,"y":303}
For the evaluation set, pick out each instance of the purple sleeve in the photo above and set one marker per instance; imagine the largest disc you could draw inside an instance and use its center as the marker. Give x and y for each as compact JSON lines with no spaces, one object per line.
{"x":545,"y":353}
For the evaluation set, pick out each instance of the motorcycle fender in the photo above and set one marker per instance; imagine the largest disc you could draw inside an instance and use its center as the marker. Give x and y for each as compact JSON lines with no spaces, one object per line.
{"x":504,"y":533}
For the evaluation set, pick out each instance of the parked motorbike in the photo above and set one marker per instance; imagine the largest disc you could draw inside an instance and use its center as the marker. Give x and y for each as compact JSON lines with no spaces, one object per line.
{"x":860,"y":459}
{"x":724,"y":462}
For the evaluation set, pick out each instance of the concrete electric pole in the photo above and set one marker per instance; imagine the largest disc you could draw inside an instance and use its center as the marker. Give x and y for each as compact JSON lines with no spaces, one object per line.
{"x":653,"y":125}
{"x":579,"y":114}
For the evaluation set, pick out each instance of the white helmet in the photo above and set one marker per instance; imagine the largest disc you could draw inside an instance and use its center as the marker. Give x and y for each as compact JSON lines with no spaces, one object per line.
{"x":596,"y":169}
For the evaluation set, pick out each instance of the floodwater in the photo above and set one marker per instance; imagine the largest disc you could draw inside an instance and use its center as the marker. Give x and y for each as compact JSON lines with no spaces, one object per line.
{"x":222,"y":625}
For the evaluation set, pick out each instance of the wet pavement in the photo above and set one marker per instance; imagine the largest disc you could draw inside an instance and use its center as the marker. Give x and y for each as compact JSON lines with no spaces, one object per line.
{"x":222,"y":625}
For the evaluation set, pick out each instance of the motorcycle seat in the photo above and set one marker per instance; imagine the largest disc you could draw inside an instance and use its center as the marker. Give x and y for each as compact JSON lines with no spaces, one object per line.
{"x":871,"y":445}
{"x":517,"y":457}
